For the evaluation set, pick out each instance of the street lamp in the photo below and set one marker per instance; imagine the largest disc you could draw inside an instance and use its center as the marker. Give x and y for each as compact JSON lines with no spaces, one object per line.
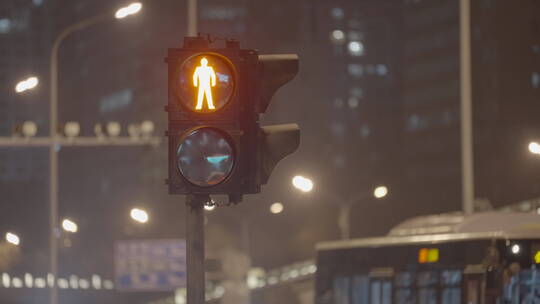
{"x":27,"y":84}
{"x":276,"y":208}
{"x":302,"y":183}
{"x":534,"y":147}
{"x":13,"y":239}
{"x":139,"y":215}
{"x":69,"y":226}
{"x":131,"y":9}
{"x":53,"y":127}
{"x":380,"y":192}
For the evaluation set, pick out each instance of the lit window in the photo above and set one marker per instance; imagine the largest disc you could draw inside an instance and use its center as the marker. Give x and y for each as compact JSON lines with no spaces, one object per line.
{"x":337,"y":13}
{"x":353,"y":102}
{"x":5,"y":26}
{"x":365,"y":131}
{"x":356,"y":48}
{"x":381,"y":69}
{"x":413,"y":123}
{"x":357,"y":92}
{"x":337,"y":37}
{"x":355,"y":70}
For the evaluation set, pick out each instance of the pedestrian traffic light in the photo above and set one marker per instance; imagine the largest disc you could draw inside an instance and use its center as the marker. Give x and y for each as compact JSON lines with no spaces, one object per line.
{"x":216,"y":95}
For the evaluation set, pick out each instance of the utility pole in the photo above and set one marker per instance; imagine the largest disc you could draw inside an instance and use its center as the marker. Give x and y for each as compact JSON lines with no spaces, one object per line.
{"x":192,"y":18}
{"x":195,"y":248}
{"x":467,"y":154}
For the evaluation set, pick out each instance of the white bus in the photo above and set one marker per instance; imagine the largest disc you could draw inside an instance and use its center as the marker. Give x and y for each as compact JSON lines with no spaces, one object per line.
{"x":483,"y":258}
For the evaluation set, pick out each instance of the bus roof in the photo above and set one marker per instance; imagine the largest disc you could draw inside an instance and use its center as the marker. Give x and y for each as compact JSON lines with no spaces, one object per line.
{"x":450,"y":227}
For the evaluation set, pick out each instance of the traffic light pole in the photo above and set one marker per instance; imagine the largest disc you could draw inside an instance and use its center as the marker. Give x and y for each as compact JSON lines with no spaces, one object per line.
{"x":195,"y":248}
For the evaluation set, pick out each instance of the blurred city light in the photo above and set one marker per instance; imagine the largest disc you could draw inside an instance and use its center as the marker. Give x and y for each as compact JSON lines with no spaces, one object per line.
{"x":12,"y":238}
{"x":337,"y":37}
{"x":515,"y":249}
{"x":28,"y":84}
{"x":134,"y":131}
{"x":356,"y":48}
{"x":29,"y":129}
{"x":72,"y":129}
{"x":69,"y":226}
{"x":276,"y":208}
{"x":209,"y":207}
{"x":114,"y":128}
{"x":302,"y":183}
{"x":98,"y":130}
{"x":147,"y":128}
{"x":139,"y":215}
{"x":131,"y":9}
{"x":534,"y":147}
{"x":380,"y":192}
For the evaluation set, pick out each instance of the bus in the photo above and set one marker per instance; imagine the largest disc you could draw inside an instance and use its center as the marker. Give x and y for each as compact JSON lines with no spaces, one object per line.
{"x":483,"y":258}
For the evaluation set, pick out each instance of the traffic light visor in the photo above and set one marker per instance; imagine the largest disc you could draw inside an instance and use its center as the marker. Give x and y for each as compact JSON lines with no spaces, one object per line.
{"x":205,"y":157}
{"x":205,"y":83}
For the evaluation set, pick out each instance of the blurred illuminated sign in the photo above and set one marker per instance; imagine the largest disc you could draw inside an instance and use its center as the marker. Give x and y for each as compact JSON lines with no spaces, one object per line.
{"x":150,"y":265}
{"x":537,"y":257}
{"x":428,"y":255}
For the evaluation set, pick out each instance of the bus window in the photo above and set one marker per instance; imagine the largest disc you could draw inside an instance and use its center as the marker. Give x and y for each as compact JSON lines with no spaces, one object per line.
{"x":387,"y":292}
{"x":341,"y":290}
{"x":360,"y":291}
{"x":375,"y":293}
{"x":427,"y":287}
{"x":451,"y":286}
{"x":381,"y":285}
{"x":404,"y":293}
{"x":523,"y":287}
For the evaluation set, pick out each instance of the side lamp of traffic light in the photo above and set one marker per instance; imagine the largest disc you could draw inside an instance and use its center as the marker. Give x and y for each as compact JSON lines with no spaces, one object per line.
{"x":277,"y":142}
{"x":274,"y":71}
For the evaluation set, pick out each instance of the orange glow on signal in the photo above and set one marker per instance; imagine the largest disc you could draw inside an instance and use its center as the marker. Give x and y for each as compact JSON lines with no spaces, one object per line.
{"x":204,"y":77}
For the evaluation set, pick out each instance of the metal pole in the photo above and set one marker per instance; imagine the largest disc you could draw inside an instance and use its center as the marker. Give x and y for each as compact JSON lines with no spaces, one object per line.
{"x":344,"y":221}
{"x":467,"y":160}
{"x":53,"y":170}
{"x":195,"y":248}
{"x":53,"y":156}
{"x":192,"y":18}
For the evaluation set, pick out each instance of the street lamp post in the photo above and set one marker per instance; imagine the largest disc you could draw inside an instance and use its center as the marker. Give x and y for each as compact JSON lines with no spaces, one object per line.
{"x":53,"y":126}
{"x":305,"y":184}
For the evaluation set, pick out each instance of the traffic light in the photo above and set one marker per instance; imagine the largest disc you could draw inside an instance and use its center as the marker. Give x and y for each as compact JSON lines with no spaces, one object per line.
{"x":216,"y":96}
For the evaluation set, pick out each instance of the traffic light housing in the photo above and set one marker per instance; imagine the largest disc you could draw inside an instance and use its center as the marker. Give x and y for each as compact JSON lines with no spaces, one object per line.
{"x":215,"y":98}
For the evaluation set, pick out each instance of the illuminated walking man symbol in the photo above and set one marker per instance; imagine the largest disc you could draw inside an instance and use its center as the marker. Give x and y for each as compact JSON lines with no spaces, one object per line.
{"x":204,"y":78}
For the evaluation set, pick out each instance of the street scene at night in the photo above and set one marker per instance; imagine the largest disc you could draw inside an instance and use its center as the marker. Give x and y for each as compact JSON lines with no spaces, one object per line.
{"x":270,"y":152}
